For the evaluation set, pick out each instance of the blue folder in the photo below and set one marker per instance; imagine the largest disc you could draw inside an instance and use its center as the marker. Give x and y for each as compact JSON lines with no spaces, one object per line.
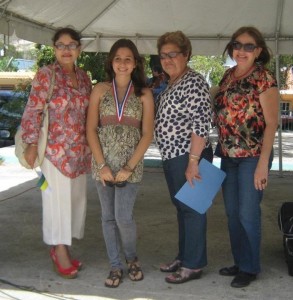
{"x":200,"y":197}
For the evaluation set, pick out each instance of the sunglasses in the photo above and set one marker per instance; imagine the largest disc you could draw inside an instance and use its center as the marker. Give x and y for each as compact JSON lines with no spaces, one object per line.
{"x":246,"y":47}
{"x":68,"y":47}
{"x":172,"y":54}
{"x":118,"y":184}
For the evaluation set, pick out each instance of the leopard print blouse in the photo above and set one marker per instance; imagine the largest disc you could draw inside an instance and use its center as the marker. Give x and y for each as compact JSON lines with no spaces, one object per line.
{"x":183,"y":108}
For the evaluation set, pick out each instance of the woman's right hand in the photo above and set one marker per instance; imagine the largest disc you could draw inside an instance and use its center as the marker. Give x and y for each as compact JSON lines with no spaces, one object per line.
{"x":106,"y":175}
{"x":31,"y":154}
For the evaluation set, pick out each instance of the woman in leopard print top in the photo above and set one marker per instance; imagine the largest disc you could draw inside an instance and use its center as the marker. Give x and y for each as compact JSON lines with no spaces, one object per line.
{"x":181,"y":131}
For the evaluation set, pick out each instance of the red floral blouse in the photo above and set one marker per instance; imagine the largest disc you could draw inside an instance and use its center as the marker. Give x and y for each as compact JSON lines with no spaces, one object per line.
{"x":238,"y":113}
{"x":67,"y":147}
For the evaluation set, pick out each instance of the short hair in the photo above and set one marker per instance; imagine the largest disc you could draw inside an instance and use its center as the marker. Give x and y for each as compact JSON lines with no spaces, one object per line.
{"x":67,"y":31}
{"x":137,"y":75}
{"x":265,"y":54}
{"x":177,"y":38}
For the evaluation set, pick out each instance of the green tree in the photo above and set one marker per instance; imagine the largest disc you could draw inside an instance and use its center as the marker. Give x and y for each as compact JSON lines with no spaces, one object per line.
{"x":285,"y":62}
{"x":6,"y":60}
{"x":93,"y":63}
{"x":45,"y":55}
{"x":6,"y":65}
{"x":211,"y":67}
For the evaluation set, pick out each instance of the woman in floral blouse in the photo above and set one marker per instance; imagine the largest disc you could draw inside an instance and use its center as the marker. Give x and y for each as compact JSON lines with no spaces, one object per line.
{"x":246,"y":109}
{"x":67,"y":157}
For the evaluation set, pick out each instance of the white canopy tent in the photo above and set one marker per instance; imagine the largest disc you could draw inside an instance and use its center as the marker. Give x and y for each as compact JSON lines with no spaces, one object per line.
{"x":208,"y":23}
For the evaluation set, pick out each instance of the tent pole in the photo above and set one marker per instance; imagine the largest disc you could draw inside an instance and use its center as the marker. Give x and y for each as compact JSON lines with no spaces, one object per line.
{"x":279,"y":117}
{"x":278,"y":26}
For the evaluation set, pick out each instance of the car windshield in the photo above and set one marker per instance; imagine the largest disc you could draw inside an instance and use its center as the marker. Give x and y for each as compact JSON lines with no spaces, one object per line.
{"x":12,"y":103}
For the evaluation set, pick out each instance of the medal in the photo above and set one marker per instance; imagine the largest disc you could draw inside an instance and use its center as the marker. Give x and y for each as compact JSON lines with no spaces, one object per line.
{"x":118,"y":129}
{"x":120,"y":107}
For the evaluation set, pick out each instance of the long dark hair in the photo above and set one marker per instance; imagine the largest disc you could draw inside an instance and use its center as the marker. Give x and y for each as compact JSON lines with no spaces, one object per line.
{"x":137,"y":75}
{"x":265,"y":54}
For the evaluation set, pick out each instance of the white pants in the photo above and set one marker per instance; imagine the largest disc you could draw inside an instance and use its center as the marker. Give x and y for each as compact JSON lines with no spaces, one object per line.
{"x":64,"y":206}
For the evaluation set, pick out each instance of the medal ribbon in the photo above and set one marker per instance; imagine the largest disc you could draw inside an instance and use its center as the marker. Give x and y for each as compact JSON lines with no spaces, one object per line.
{"x":120,"y":107}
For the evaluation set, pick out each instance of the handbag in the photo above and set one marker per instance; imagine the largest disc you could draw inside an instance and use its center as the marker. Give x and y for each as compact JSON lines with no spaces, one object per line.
{"x":20,"y":146}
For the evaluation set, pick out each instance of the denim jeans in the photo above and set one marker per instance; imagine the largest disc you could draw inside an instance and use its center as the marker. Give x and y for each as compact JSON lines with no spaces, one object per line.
{"x":242,"y":205}
{"x":192,"y":225}
{"x":117,"y":221}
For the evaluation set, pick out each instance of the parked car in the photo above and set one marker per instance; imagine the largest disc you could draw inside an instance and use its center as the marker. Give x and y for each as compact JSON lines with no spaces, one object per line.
{"x":12,"y":105}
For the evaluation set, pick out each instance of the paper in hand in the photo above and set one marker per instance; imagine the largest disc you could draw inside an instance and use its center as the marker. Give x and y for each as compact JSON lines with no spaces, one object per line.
{"x":200,"y":197}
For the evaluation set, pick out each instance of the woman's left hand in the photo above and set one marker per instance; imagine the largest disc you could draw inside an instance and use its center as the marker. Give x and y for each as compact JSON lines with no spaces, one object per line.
{"x":122,"y":175}
{"x":192,"y":172}
{"x":261,"y":177}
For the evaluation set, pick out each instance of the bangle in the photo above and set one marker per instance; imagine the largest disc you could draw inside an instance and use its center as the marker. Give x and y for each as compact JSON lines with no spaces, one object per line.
{"x":193,"y":160}
{"x":34,"y":145}
{"x":101,"y":166}
{"x":194,"y":157}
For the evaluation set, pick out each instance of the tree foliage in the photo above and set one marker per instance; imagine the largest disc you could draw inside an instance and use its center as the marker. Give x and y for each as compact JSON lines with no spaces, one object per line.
{"x":285,"y":64}
{"x":211,"y":67}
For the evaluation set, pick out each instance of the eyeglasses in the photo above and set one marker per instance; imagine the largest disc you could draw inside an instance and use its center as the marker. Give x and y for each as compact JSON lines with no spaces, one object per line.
{"x":68,"y":47}
{"x":246,"y":47}
{"x":172,"y":54}
{"x":118,"y":184}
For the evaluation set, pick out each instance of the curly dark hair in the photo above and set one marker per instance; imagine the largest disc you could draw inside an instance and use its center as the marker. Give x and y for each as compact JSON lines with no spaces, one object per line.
{"x":137,"y":76}
{"x":265,"y":54}
{"x":67,"y":30}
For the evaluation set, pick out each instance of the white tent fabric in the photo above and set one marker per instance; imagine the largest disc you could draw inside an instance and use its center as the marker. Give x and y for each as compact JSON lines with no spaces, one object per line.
{"x":208,"y":23}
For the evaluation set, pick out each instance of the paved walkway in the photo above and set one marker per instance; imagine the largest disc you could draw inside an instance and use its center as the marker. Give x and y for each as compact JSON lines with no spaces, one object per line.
{"x":26,"y":270}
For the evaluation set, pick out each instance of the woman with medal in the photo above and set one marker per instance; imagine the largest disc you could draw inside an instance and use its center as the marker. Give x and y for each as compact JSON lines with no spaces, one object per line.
{"x":120,"y":130}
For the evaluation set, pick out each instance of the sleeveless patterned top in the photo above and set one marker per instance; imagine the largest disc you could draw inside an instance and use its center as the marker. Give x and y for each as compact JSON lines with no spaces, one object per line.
{"x":119,"y":139}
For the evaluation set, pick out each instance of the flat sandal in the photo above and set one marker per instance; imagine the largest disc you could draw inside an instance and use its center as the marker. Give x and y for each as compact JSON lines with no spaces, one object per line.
{"x":134,"y":270}
{"x":171,"y":267}
{"x":114,"y":275}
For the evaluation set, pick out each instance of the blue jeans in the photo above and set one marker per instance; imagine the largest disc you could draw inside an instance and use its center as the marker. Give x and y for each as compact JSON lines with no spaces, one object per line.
{"x":192,"y":225}
{"x":242,"y":204}
{"x":117,"y":221}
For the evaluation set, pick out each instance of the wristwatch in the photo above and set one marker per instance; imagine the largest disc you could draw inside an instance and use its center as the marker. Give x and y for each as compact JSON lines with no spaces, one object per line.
{"x":101,"y":166}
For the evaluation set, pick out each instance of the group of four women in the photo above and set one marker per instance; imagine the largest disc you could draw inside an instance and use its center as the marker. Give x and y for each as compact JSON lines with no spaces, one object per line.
{"x":110,"y":128}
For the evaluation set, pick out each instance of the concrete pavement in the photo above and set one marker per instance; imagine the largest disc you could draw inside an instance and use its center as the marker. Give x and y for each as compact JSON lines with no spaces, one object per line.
{"x":26,"y":270}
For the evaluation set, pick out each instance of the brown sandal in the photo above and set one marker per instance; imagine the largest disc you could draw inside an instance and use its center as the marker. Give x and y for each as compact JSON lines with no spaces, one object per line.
{"x":116,"y":277}
{"x":134,"y":270}
{"x":171,"y":267}
{"x":183,"y":275}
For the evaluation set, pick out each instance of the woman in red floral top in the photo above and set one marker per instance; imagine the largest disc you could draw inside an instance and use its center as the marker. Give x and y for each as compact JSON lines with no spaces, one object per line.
{"x":67,"y":157}
{"x":246,"y":109}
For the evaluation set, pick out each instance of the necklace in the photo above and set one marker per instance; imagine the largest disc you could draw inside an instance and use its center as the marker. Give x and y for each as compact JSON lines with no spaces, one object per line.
{"x":244,"y":74}
{"x":120,"y":106}
{"x":173,"y":81}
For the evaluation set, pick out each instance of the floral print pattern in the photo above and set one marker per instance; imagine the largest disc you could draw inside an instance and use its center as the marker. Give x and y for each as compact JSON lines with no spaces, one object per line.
{"x":238,"y":112}
{"x":67,"y":148}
